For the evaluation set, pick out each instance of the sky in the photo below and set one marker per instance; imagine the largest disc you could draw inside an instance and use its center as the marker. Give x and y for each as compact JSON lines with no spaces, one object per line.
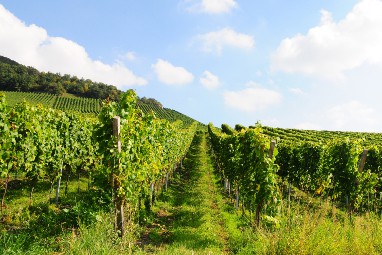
{"x":307,"y":64}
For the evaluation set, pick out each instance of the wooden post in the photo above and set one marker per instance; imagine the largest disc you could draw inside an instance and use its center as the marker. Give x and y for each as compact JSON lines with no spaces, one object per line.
{"x":347,"y":204}
{"x":272,"y":148}
{"x":289,"y":191}
{"x":362,"y":161}
{"x":237,"y":197}
{"x":117,"y":131}
{"x":152,"y":193}
{"x":120,"y":219}
{"x":166,"y":180}
{"x":59,"y":183}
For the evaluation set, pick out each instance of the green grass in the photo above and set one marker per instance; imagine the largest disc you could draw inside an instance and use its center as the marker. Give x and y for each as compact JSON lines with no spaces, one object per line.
{"x":39,"y":226}
{"x":188,"y":216}
{"x":325,"y":230}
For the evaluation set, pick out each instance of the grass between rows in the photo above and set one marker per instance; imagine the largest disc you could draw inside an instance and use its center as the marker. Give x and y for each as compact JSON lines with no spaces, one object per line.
{"x":188,"y":217}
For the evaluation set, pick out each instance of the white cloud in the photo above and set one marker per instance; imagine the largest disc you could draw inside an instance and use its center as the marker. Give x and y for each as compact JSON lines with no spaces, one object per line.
{"x":209,"y":80}
{"x":251,"y":99}
{"x":332,"y":48}
{"x":354,"y":116}
{"x":252,"y":84}
{"x":214,"y":42}
{"x":31,"y":45}
{"x":131,"y":56}
{"x":297,"y":91}
{"x":211,"y":6}
{"x":170,"y":74}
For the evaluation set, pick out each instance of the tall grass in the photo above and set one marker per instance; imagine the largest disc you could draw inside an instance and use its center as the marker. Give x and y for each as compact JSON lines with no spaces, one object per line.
{"x":324,"y":230}
{"x":99,"y":238}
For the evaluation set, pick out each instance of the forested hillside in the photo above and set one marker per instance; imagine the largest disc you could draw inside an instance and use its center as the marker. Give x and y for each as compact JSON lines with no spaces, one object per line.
{"x":17,"y":77}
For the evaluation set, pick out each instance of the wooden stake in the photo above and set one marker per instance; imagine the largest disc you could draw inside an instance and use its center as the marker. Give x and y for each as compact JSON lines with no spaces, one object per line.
{"x":59,"y":183}
{"x":166,"y":180}
{"x":237,"y":198}
{"x":272,"y":148}
{"x":362,"y":161}
{"x":117,"y":131}
{"x":120,"y":219}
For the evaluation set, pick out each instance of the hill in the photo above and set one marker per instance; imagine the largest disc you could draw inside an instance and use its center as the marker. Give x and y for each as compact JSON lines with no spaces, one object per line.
{"x":17,"y":77}
{"x":69,"y":102}
{"x":68,"y":93}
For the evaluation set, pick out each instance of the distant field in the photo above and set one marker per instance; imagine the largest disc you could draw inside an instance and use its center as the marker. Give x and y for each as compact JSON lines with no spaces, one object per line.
{"x":65,"y":103}
{"x":70,"y":102}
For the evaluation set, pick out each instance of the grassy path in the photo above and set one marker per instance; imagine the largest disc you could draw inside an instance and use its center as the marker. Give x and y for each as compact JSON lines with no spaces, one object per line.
{"x":189,"y":217}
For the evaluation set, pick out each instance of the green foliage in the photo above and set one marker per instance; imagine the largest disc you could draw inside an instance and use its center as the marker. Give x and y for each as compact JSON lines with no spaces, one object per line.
{"x":226,"y":129}
{"x":327,"y":164}
{"x":64,"y":103}
{"x":45,"y":144}
{"x":17,"y":77}
{"x":244,"y":160}
{"x":93,"y":106}
{"x":239,"y":127}
{"x":150,"y":147}
{"x":152,"y":106}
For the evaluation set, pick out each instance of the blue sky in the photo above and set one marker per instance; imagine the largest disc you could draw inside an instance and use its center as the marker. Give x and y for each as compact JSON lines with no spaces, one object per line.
{"x":297,"y":64}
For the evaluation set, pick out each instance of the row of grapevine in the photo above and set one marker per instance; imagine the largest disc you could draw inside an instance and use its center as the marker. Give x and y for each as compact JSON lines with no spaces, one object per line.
{"x":165,"y":113}
{"x":328,"y":164}
{"x":40,"y":143}
{"x":283,"y":134}
{"x":247,"y":160}
{"x":149,"y":150}
{"x":90,"y":105}
{"x":32,"y":98}
{"x":83,"y":105}
{"x":332,"y":168}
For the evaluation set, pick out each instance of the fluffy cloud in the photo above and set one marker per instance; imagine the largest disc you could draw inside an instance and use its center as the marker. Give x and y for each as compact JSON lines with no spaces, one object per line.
{"x":211,"y":6}
{"x":31,"y":45}
{"x":251,"y":99}
{"x":354,"y":116}
{"x":215,"y":41}
{"x":170,"y":74}
{"x":332,"y":48}
{"x":209,"y":80}
{"x":131,"y":56}
{"x":297,"y":91}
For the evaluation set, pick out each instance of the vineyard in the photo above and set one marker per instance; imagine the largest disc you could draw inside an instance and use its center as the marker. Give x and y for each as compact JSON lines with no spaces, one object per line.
{"x":89,"y":105}
{"x":256,"y":162}
{"x":41,"y":145}
{"x":82,"y":105}
{"x":121,"y":158}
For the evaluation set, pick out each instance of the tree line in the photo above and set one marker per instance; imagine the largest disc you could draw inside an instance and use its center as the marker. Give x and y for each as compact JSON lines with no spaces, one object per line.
{"x":17,"y":77}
